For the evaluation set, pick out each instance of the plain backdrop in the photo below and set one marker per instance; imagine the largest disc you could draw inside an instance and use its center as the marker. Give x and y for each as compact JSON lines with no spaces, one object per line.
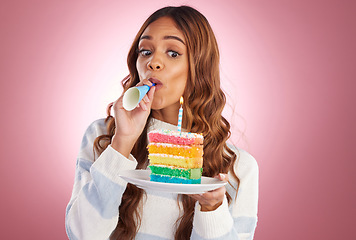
{"x":287,"y":67}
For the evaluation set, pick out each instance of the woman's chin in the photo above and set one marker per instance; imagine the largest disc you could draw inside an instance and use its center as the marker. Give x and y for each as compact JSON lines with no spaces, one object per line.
{"x":157,"y":104}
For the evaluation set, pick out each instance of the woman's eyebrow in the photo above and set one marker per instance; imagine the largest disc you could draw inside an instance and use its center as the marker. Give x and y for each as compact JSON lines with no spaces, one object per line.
{"x":175,"y":38}
{"x":148,"y":37}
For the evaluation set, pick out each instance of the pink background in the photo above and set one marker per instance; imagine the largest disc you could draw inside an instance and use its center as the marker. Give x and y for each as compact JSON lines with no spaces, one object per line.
{"x":287,"y":66}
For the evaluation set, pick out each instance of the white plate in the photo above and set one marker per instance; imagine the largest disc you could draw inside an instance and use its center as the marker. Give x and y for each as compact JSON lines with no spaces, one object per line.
{"x":141,"y":178}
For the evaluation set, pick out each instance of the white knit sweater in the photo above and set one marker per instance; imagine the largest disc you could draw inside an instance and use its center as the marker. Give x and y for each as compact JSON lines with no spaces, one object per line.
{"x":92,"y":212}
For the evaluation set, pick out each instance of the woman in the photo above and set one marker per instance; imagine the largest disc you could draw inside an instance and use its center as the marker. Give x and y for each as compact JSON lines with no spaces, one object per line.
{"x":176,"y":49}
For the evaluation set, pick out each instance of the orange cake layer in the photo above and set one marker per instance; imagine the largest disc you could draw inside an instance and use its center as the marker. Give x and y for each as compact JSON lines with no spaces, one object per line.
{"x":177,"y":150}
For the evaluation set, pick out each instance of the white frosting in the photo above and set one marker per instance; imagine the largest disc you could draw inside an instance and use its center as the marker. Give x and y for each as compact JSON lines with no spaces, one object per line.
{"x":167,"y":155}
{"x":172,"y":145}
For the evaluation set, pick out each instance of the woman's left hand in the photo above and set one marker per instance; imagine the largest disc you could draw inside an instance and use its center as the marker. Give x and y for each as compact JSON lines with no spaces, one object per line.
{"x":211,"y":200}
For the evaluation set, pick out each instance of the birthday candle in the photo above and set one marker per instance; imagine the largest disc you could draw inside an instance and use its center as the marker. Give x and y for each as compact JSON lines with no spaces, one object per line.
{"x":180,"y":115}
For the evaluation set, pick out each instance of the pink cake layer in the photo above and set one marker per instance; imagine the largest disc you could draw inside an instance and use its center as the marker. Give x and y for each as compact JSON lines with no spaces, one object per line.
{"x":175,"y":137}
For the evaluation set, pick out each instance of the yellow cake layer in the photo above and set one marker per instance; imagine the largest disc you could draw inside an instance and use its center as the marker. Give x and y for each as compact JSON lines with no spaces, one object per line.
{"x":169,"y":160}
{"x":177,"y":150}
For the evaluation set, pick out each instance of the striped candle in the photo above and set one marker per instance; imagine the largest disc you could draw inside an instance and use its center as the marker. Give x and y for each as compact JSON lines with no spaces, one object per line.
{"x":180,"y":115}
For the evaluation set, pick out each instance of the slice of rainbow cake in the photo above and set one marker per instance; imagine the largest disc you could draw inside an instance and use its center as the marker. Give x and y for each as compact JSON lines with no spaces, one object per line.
{"x":175,"y":157}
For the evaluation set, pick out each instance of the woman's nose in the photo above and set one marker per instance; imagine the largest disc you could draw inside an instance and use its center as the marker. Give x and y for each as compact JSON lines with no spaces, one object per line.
{"x":155,"y":64}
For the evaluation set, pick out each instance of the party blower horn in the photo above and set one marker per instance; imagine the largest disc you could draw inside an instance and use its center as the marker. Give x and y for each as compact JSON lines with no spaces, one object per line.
{"x":134,"y":95}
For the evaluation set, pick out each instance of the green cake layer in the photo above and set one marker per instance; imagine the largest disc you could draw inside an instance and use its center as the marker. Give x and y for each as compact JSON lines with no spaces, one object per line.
{"x":192,"y":173}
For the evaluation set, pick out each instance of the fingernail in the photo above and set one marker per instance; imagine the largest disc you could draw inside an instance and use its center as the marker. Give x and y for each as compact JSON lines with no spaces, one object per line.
{"x":146,"y":99}
{"x":222,"y":176}
{"x":144,"y":107}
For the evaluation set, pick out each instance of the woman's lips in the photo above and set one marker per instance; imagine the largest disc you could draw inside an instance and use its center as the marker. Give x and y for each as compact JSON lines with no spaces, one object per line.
{"x":158,"y":83}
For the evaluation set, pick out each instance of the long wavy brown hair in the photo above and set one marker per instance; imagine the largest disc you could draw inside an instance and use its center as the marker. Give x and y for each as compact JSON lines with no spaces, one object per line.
{"x":203,"y":105}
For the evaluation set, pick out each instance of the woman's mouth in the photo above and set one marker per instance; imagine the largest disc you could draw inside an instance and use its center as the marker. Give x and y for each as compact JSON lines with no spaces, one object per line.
{"x":158,"y":83}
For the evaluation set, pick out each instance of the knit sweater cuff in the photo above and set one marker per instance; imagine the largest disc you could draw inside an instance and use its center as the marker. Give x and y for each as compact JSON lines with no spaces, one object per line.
{"x":111,"y":163}
{"x":213,"y":224}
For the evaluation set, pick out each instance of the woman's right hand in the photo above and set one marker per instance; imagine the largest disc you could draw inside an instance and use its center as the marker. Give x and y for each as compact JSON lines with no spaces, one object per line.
{"x":130,"y":124}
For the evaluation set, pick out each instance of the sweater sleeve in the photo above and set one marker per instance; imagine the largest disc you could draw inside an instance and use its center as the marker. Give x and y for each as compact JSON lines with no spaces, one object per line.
{"x":239,"y":220}
{"x":92,"y":212}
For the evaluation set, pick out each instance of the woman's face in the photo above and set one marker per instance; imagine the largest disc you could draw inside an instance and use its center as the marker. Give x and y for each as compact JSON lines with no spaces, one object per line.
{"x":163,"y":59}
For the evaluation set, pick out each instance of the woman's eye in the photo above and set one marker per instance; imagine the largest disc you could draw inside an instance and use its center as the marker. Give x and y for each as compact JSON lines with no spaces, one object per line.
{"x":173,"y":54}
{"x":145,"y":53}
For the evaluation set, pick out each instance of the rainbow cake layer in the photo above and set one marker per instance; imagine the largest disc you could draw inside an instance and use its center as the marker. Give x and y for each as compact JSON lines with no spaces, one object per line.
{"x":175,"y":157}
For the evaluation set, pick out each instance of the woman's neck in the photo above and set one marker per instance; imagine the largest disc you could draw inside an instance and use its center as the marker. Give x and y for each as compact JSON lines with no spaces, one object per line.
{"x":168,"y":114}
